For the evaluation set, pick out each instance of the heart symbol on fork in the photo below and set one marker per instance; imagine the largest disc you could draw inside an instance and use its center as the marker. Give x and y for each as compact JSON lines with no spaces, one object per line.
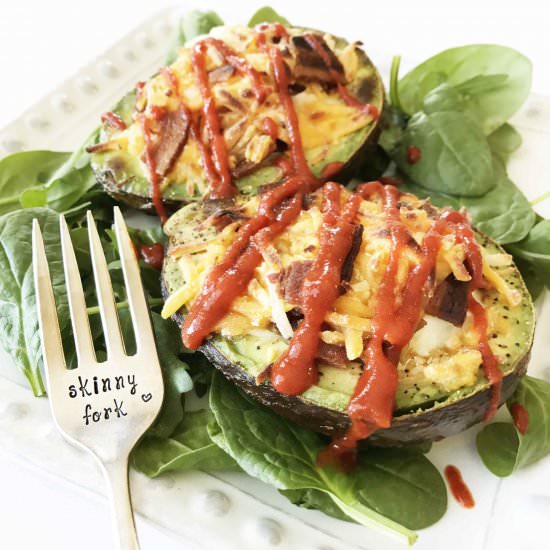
{"x":146,"y":397}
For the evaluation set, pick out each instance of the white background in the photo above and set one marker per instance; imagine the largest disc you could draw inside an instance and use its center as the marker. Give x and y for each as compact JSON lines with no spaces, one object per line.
{"x":44,"y":42}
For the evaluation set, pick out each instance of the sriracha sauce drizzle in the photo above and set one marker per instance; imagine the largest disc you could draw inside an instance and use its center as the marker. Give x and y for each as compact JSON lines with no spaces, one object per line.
{"x":221,"y":187}
{"x":458,"y":487}
{"x":149,"y":157}
{"x":397,"y":314}
{"x":152,"y":254}
{"x":296,"y":370}
{"x":278,"y":208}
{"x":520,"y":415}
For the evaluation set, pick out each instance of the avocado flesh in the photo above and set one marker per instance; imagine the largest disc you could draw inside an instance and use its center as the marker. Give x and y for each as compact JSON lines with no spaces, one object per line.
{"x":425,"y":415}
{"x":124,"y":177}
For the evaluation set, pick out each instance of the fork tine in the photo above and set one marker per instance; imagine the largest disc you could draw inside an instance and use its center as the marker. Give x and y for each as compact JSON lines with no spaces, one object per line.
{"x":105,"y":298}
{"x":134,"y":289}
{"x":52,"y":348}
{"x":75,"y":295}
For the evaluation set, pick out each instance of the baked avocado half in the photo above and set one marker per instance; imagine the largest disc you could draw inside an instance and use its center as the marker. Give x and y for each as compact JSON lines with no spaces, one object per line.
{"x":255,"y":132}
{"x":442,"y":388}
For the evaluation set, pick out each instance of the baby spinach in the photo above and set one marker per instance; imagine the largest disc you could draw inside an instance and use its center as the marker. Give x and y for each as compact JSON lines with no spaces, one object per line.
{"x":503,"y":448}
{"x":314,"y":499}
{"x":493,"y":81}
{"x":27,"y":171}
{"x":534,"y":250}
{"x":504,"y":141}
{"x":455,"y":157}
{"x":175,"y":375}
{"x":18,"y":320}
{"x":192,"y":24}
{"x":267,"y":15}
{"x":396,"y":491}
{"x":189,"y":447}
{"x":503,"y":213}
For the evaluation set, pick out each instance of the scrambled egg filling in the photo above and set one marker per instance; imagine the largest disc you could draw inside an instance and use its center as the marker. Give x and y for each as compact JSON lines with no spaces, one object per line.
{"x":323,"y":116}
{"x":440,"y":358}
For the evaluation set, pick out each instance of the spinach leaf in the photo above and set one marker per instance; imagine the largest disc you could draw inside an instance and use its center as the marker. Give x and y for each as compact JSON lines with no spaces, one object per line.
{"x":18,"y":320}
{"x":493,"y":80}
{"x":277,"y":451}
{"x":455,"y":157}
{"x":314,"y":499}
{"x":174,"y":372}
{"x":27,"y":171}
{"x":504,"y":141}
{"x":73,"y":180}
{"x":502,"y":447}
{"x":504,"y":213}
{"x":189,"y":447}
{"x":192,"y":24}
{"x":534,"y":250}
{"x":535,"y":285}
{"x":267,"y":15}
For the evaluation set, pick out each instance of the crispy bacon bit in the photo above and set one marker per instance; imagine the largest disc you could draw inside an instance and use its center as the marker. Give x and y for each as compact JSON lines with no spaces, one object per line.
{"x":295,"y":88}
{"x":172,"y":135}
{"x":310,"y":66}
{"x":332,"y":354}
{"x":347,"y":268}
{"x":102,"y":147}
{"x":221,"y":74}
{"x":223,"y":217}
{"x":231,"y":101}
{"x":113,"y":120}
{"x":449,"y":301}
{"x":292,"y":279}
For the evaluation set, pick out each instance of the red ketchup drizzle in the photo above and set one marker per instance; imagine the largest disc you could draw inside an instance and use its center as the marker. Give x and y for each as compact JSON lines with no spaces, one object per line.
{"x":285,"y":165}
{"x":270,"y":127}
{"x":156,"y":194}
{"x":152,"y":254}
{"x":221,"y":186}
{"x":296,"y":370}
{"x":394,"y":324}
{"x":520,"y":416}
{"x":458,"y":488}
{"x":230,"y":277}
{"x":413,"y":154}
{"x":464,"y":234}
{"x":331,"y":169}
{"x":171,"y":78}
{"x":349,"y":99}
{"x":300,"y":165}
{"x":206,"y":157}
{"x":371,"y":406}
{"x":113,"y":120}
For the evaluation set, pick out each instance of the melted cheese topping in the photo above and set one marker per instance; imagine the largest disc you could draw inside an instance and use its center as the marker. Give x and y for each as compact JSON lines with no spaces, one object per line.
{"x":439,"y":354}
{"x":323,"y":116}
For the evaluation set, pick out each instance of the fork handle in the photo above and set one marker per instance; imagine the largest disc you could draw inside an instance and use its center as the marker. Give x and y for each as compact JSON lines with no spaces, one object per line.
{"x":116,"y":474}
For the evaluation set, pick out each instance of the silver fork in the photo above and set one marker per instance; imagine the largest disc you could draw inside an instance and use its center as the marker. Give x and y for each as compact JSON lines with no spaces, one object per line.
{"x":101,"y":407}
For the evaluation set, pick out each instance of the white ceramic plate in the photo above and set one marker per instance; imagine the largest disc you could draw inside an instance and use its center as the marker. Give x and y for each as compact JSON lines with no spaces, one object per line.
{"x":233,"y":511}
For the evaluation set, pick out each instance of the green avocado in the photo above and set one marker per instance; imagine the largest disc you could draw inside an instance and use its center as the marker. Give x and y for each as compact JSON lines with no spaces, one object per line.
{"x":123,"y":176}
{"x":424,"y":415}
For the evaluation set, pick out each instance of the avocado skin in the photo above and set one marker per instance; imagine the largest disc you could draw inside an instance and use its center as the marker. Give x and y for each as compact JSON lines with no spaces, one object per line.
{"x":106,"y":179}
{"x":414,"y":428}
{"x":408,"y":429}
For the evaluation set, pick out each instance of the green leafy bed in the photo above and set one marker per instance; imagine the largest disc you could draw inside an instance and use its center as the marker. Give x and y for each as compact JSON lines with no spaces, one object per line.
{"x":454,"y":109}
